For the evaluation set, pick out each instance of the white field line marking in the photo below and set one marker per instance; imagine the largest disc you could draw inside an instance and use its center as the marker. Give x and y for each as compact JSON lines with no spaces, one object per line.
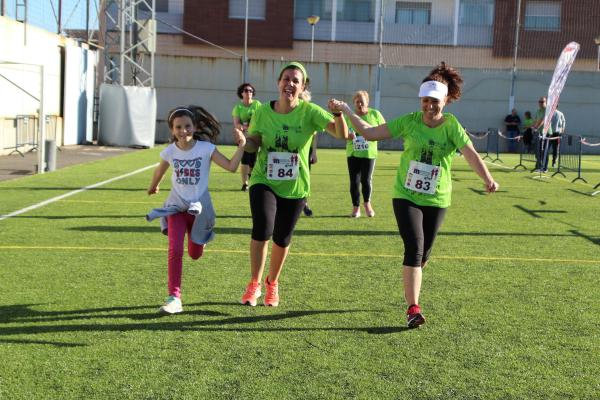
{"x":108,"y":202}
{"x":304,"y":254}
{"x":74,"y":192}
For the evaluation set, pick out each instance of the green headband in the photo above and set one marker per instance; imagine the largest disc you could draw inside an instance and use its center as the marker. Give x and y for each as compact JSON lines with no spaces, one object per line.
{"x":297,"y":65}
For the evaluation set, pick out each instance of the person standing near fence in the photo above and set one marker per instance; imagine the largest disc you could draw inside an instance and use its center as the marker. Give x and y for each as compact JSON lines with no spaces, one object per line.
{"x":512,"y":122}
{"x":241,"y":114}
{"x":282,"y":132}
{"x":558,"y":124}
{"x":423,"y":186}
{"x":541,"y":161}
{"x":528,"y":131}
{"x":361,"y":155}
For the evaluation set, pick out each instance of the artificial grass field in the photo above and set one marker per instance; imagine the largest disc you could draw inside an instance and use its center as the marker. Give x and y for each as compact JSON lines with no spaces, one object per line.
{"x":511,"y":294}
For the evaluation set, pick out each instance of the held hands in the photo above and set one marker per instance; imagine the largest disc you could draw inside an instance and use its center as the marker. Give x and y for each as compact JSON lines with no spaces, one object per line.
{"x":338,"y":106}
{"x":239,"y":138}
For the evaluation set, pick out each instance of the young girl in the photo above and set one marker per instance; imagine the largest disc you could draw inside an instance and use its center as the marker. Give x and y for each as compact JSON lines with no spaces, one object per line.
{"x":188,"y":207}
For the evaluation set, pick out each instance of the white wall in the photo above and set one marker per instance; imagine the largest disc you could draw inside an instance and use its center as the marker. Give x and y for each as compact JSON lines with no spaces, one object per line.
{"x":212,"y":82}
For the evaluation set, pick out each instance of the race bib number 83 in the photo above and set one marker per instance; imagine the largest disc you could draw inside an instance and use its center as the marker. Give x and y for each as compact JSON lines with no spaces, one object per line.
{"x":422,"y":178}
{"x":282,"y":166}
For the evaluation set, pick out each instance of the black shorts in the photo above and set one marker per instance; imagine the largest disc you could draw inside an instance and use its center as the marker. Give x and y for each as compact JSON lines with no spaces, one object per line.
{"x":418,"y":226}
{"x":249,"y":159}
{"x":273,"y":215}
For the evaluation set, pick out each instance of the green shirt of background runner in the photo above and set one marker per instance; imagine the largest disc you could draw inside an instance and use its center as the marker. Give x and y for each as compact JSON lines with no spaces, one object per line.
{"x":373,"y":118}
{"x":243,"y":112}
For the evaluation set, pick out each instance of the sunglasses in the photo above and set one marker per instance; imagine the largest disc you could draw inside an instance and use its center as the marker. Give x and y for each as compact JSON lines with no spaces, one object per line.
{"x":248,"y":91}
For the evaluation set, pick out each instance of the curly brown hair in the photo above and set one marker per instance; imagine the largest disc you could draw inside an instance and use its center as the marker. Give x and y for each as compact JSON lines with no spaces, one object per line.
{"x":448,"y":76}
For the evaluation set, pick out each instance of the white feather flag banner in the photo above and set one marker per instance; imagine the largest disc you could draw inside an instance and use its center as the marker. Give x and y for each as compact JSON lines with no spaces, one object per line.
{"x":563,"y":66}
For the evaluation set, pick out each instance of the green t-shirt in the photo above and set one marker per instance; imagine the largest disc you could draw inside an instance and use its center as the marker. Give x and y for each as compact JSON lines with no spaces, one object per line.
{"x":243,"y":112}
{"x":433,"y":146}
{"x":286,"y":133}
{"x":539,"y":115}
{"x":528,"y":122}
{"x":373,"y":118}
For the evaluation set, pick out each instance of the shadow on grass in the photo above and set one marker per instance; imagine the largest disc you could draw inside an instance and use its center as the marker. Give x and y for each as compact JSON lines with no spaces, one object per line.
{"x":25,"y":312}
{"x":595,"y":241}
{"x":154,"y":322}
{"x":44,"y":342}
{"x":536,"y":213}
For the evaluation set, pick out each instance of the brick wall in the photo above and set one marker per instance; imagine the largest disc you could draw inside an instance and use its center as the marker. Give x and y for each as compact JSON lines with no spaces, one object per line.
{"x":580,"y":22}
{"x":209,"y":19}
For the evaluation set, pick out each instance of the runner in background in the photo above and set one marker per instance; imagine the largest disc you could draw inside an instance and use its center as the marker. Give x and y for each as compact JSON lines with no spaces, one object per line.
{"x":423,"y":187}
{"x":361,"y":155}
{"x":242,"y":113}
{"x":281,"y":131}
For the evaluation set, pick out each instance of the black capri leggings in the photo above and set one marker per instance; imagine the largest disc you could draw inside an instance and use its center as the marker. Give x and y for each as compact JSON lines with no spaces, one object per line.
{"x":273,"y":215}
{"x":361,"y":174}
{"x":418,"y":226}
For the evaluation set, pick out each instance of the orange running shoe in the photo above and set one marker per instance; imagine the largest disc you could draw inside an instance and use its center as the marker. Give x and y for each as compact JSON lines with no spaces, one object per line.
{"x":252,"y":293}
{"x":272,"y":296}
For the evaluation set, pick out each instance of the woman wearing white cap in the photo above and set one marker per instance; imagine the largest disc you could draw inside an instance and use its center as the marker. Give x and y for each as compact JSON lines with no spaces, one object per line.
{"x":423,"y":184}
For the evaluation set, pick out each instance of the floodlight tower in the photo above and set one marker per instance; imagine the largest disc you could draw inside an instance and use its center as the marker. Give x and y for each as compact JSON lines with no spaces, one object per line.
{"x":129,"y":31}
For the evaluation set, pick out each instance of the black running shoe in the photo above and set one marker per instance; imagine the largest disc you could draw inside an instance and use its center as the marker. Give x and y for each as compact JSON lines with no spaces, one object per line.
{"x":244,"y":187}
{"x":414,"y":317}
{"x":307,"y":211}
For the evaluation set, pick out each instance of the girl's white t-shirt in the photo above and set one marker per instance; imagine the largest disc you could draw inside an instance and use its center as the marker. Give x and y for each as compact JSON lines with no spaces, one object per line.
{"x":191,"y":170}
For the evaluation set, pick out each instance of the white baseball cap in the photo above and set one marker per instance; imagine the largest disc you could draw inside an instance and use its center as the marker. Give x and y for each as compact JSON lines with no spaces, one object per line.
{"x":434,"y":89}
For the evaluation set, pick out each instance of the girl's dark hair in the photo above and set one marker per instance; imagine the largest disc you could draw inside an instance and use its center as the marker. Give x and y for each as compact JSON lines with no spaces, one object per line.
{"x":206,"y":125}
{"x":528,"y":113}
{"x":243,"y":86}
{"x":449,"y":77}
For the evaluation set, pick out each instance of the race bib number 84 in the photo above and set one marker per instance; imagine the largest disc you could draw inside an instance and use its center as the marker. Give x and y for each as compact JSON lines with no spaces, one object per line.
{"x":282,"y":166}
{"x":422,"y":178}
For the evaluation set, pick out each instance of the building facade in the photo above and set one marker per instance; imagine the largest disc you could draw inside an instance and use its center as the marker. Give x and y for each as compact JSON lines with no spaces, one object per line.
{"x":481,"y":32}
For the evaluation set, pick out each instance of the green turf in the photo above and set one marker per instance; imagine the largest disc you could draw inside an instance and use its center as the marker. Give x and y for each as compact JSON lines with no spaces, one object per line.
{"x":511,"y":294}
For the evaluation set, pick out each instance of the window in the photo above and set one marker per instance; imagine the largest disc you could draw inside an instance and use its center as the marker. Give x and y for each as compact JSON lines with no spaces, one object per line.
{"x":356,"y":10}
{"x":256,"y":9}
{"x":413,"y":13}
{"x":542,"y":16}
{"x":476,"y":12}
{"x":306,"y":8}
{"x":159,"y":6}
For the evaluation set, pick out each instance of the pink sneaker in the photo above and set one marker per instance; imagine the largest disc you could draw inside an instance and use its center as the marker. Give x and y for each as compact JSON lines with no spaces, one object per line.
{"x":252,"y":294}
{"x":272,"y":295}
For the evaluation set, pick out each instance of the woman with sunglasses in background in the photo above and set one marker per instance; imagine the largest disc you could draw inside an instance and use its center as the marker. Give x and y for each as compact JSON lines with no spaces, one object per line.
{"x":242,"y":113}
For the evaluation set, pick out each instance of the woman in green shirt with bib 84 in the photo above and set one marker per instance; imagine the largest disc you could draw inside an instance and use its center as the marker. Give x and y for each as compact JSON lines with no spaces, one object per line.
{"x":423,"y":184}
{"x":282,"y":132}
